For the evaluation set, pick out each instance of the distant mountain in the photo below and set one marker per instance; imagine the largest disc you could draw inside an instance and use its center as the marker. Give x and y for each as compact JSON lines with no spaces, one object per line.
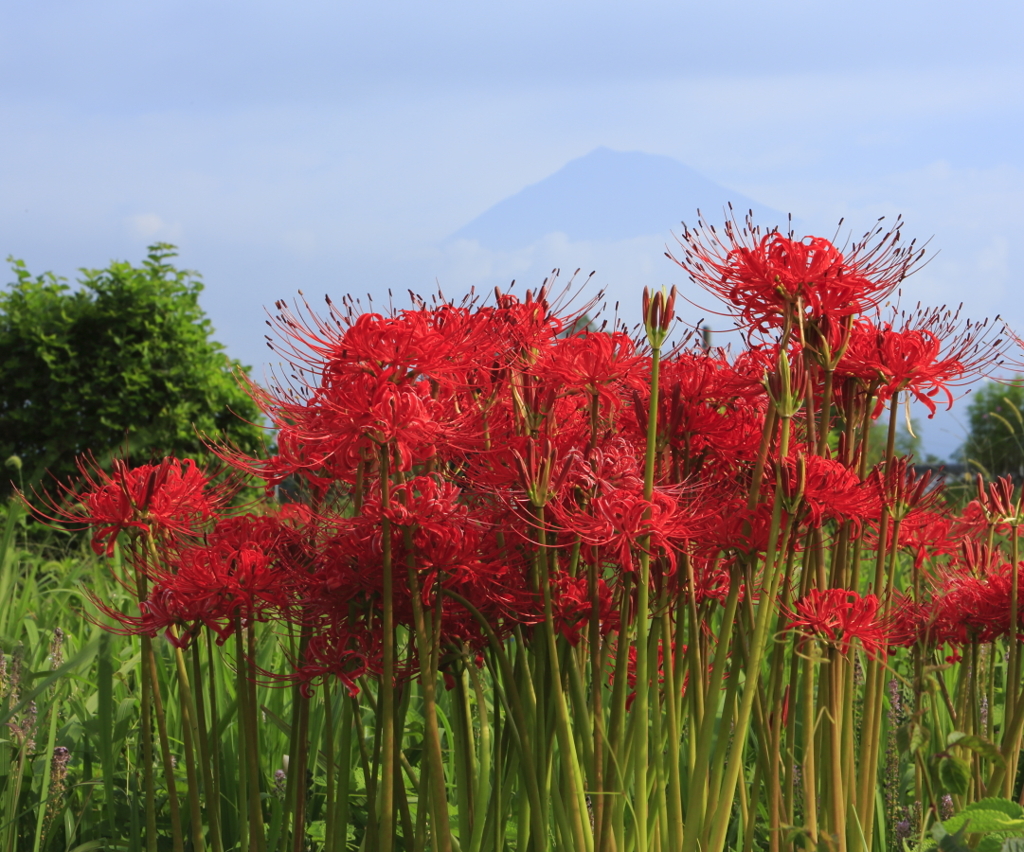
{"x":607,"y":196}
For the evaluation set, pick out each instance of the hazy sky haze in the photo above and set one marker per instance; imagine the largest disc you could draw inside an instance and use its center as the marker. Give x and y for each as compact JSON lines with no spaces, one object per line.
{"x":333,"y":146}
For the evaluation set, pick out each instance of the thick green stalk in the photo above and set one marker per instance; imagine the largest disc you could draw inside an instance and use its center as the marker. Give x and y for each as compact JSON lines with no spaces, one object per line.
{"x":516,"y":707}
{"x":247,"y":687}
{"x":575,"y":805}
{"x":209,"y":783}
{"x":165,"y":751}
{"x":147,"y":748}
{"x":214,"y":745}
{"x":482,"y":793}
{"x":190,"y":737}
{"x":386,"y":793}
{"x":720,"y":820}
{"x":674,"y":802}
{"x":425,"y":641}
{"x":641,"y":701}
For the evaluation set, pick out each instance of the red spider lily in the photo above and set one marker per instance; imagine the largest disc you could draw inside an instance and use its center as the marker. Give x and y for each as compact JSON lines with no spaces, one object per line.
{"x":927,"y":534}
{"x":737,"y":528}
{"x":900,"y":489}
{"x":168,"y":498}
{"x":572,"y":607}
{"x":449,"y":546}
{"x":241,"y":571}
{"x":998,"y":505}
{"x":710,"y":411}
{"x":838,"y":617}
{"x":894,"y":360}
{"x":827,"y":488}
{"x":908,"y":620}
{"x":711,"y":580}
{"x":968,"y":605}
{"x":341,"y":652}
{"x":621,"y":519}
{"x":613,"y":463}
{"x":601,"y":365}
{"x":766,"y":278}
{"x":339,"y":426}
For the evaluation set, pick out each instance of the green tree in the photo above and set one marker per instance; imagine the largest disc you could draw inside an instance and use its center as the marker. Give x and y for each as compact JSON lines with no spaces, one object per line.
{"x":125,"y":360}
{"x":995,"y":440}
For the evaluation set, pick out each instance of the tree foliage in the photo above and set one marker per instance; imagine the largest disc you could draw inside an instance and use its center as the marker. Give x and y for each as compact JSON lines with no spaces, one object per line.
{"x":995,"y":441}
{"x":125,"y":360}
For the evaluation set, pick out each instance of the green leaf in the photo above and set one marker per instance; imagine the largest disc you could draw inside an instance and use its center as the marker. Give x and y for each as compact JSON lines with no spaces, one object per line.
{"x":955,"y":774}
{"x":949,"y":842}
{"x":911,"y":737}
{"x":1006,"y":806}
{"x":986,"y":821}
{"x":979,"y":745}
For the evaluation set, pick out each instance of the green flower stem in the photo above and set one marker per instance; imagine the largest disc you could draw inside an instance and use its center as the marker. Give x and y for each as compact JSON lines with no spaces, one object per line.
{"x":151,"y":699}
{"x":190,"y":730}
{"x":834,"y":720}
{"x":810,"y":726}
{"x":720,"y":820}
{"x":368,"y":773}
{"x":214,"y":727}
{"x":641,"y":701}
{"x":426,"y":628}
{"x":386,"y":793}
{"x":575,"y":804}
{"x":247,"y":702}
{"x":698,"y":793}
{"x":482,"y":792}
{"x":581,"y":711}
{"x":1013,"y":664}
{"x":242,"y":761}
{"x":596,"y":647}
{"x":672,"y":693}
{"x":331,"y":791}
{"x":205,"y":758}
{"x":612,"y":828}
{"x":511,"y":694}
{"x":146,"y":721}
{"x":464,"y":753}
{"x":298,"y":761}
{"x":165,"y":749}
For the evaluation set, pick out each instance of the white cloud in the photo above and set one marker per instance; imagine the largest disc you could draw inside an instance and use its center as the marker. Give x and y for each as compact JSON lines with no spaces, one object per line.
{"x":150,"y":226}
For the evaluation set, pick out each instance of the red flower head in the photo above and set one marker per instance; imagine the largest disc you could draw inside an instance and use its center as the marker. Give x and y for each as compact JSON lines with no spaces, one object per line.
{"x":599,"y":364}
{"x":167,"y":498}
{"x":838,"y":617}
{"x":925,"y":353}
{"x":828,"y":489}
{"x":767,"y":278}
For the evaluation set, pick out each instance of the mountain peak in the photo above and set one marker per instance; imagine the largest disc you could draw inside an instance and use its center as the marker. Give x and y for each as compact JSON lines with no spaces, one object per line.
{"x":606,"y":196}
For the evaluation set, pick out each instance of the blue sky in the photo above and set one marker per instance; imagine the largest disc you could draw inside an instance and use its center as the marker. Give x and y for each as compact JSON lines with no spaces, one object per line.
{"x":332,"y":147}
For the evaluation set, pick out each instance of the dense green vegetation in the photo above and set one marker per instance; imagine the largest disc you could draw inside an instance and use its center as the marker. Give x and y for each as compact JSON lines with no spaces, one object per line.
{"x":995,"y":441}
{"x":123,"y":360}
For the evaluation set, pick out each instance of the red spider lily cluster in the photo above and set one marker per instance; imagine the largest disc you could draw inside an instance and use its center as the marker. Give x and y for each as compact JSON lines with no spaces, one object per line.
{"x":464,"y":473}
{"x":463,"y":439}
